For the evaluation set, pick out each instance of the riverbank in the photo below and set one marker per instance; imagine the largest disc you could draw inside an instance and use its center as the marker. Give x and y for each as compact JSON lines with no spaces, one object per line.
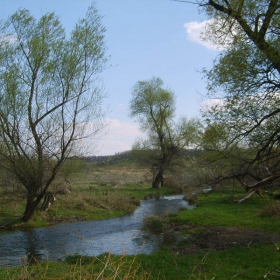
{"x":88,"y":192}
{"x":93,"y":202}
{"x":219,"y":239}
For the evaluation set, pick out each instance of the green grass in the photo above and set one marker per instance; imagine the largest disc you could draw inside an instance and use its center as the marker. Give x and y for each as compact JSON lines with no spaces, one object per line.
{"x":221,"y":209}
{"x":237,"y":263}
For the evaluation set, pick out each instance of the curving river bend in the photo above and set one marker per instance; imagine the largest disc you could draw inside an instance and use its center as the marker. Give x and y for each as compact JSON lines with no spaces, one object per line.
{"x":119,"y":236}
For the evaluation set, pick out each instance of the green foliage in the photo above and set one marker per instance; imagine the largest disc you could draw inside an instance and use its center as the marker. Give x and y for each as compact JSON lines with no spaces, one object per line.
{"x":48,"y":94}
{"x":73,"y":165}
{"x":152,"y":104}
{"x":243,"y":123}
{"x":154,"y":108}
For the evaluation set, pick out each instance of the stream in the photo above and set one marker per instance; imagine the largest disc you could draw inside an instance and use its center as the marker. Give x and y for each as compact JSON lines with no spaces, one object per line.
{"x":122,"y":235}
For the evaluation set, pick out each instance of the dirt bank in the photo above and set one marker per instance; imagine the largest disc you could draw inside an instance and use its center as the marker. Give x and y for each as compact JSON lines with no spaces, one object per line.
{"x":220,"y":238}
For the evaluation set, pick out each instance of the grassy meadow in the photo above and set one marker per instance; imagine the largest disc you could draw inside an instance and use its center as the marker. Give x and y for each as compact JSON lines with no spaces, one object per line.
{"x":96,"y":191}
{"x":218,"y":239}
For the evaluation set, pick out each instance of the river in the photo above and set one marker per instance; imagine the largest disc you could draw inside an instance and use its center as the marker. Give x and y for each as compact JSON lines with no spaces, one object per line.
{"x":122,"y":235}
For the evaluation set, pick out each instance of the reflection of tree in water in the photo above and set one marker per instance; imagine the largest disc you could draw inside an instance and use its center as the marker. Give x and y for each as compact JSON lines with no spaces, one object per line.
{"x":33,"y":254}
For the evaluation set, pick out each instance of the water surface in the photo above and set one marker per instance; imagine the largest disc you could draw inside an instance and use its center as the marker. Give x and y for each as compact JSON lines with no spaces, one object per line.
{"x":121,"y":235}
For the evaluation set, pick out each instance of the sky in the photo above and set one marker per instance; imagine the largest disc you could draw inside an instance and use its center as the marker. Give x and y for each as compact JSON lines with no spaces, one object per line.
{"x":145,"y":39}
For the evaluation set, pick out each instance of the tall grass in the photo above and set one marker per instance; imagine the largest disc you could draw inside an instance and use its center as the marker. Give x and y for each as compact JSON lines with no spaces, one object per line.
{"x":105,"y":267}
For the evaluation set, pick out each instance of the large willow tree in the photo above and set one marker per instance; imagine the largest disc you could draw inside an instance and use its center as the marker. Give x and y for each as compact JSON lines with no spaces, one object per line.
{"x":48,"y":95}
{"x":246,"y":80}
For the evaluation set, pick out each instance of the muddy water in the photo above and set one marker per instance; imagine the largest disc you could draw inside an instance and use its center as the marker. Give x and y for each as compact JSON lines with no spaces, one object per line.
{"x":118,"y":236}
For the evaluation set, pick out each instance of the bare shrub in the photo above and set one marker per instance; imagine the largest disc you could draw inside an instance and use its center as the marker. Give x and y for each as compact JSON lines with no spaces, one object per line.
{"x":154,"y":224}
{"x":271,"y":210}
{"x":176,"y":182}
{"x":118,"y":202}
{"x":191,"y":198}
{"x":148,"y":196}
{"x":134,"y":200}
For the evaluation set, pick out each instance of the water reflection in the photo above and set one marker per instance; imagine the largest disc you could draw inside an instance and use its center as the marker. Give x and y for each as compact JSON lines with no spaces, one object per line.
{"x":33,"y":255}
{"x":121,"y":235}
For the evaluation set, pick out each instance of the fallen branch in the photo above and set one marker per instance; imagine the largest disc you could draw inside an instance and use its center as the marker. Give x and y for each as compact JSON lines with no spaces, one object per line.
{"x":273,"y":272}
{"x":250,"y":195}
{"x":257,"y":186}
{"x":265,"y":181}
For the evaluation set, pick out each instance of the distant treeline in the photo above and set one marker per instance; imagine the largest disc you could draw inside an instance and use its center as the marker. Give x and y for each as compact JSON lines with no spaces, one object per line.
{"x":126,"y":156}
{"x":123,"y":156}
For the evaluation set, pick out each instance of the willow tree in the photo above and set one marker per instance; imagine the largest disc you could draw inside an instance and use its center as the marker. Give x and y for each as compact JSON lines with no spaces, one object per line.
{"x":49,"y":94}
{"x":246,"y":79}
{"x":154,"y":108}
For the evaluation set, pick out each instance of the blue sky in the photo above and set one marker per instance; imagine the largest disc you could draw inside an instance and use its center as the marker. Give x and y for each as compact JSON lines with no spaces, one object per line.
{"x":145,"y":38}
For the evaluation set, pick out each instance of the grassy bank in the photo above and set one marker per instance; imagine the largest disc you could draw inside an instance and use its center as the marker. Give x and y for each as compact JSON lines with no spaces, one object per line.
{"x":220,"y":208}
{"x":96,"y":192}
{"x":93,"y":202}
{"x":219,"y":239}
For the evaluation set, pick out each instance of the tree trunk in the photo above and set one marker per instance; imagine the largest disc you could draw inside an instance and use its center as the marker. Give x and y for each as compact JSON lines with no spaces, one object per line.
{"x":31,"y":205}
{"x":158,"y":180}
{"x":49,"y":198}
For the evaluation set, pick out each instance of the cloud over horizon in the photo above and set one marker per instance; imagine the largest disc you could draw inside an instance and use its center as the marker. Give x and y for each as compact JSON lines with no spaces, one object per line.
{"x":118,"y":136}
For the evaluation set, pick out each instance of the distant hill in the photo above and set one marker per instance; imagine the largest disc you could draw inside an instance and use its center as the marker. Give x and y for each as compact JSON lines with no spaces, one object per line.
{"x":125,"y":157}
{"x":118,"y":157}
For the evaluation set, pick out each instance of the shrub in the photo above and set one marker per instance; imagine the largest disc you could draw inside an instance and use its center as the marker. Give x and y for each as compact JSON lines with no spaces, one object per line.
{"x":154,"y":224}
{"x":191,"y":198}
{"x":134,"y":201}
{"x":175,"y":183}
{"x":271,"y":210}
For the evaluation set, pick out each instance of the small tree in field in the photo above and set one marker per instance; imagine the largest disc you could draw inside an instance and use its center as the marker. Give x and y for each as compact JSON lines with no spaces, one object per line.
{"x":154,"y":107}
{"x":48,"y":95}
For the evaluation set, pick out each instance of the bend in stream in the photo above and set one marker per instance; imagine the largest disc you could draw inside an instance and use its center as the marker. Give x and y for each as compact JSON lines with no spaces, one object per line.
{"x":122,"y":235}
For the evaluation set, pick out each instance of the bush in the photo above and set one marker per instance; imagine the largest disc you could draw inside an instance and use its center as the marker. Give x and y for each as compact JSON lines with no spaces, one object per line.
{"x":154,"y":224}
{"x":175,"y":183}
{"x":271,"y":210}
{"x":191,"y":198}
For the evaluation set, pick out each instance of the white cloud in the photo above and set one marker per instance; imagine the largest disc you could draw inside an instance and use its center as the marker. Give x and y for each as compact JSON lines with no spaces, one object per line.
{"x":211,"y":103}
{"x":8,"y":39}
{"x":194,"y":32}
{"x":118,"y":136}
